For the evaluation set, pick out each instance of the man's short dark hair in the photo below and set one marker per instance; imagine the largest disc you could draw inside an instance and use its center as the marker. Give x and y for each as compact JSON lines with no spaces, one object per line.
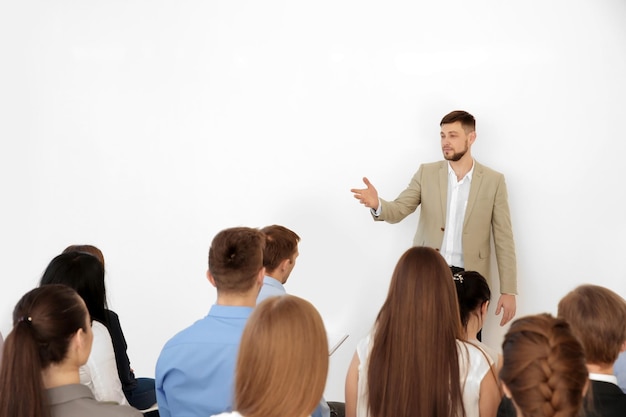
{"x":281,"y":243}
{"x":467,"y":120}
{"x":235,"y":258}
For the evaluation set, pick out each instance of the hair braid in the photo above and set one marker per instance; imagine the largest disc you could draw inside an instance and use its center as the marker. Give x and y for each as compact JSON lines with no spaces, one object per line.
{"x":544,"y":367}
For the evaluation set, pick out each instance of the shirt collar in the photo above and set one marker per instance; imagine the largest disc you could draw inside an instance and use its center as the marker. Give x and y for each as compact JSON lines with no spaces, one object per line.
{"x":273,"y":282}
{"x":230,"y":311}
{"x":468,"y":175}
{"x":603,"y":377}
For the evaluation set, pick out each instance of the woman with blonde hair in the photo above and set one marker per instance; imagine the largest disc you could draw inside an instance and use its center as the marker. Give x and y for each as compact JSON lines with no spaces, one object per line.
{"x":544,"y":370}
{"x":282,"y":362}
{"x":51,"y":339}
{"x":415,"y":361}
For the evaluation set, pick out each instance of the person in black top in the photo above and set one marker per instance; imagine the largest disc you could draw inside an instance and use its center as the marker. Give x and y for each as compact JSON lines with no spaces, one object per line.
{"x":139,"y":392}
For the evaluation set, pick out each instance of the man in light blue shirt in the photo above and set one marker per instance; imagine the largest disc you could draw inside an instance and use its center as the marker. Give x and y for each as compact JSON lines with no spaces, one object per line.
{"x":279,"y":259}
{"x":195,"y":371}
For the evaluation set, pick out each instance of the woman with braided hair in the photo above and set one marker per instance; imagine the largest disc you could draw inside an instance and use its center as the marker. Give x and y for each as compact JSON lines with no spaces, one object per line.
{"x":544,"y":370}
{"x":51,"y":339}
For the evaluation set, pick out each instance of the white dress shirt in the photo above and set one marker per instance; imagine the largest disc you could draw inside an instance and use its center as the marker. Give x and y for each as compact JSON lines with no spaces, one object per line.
{"x":100,"y":371}
{"x":458,"y":194}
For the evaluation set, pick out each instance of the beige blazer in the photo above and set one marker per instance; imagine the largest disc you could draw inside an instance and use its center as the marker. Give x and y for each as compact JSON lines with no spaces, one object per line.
{"x":487,"y":212}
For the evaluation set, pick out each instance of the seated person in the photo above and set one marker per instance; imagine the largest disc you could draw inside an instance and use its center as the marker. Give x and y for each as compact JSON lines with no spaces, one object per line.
{"x":196,"y":368}
{"x":415,"y":361}
{"x":85,"y":274}
{"x":51,"y":339}
{"x":474,"y":294}
{"x":285,"y":378}
{"x":279,"y":259}
{"x":543,"y":368}
{"x":139,"y":392}
{"x":597,"y":317}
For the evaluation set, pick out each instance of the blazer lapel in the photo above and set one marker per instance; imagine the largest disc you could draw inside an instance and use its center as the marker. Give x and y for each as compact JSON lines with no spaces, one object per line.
{"x":477,"y":179}
{"x":443,"y":189}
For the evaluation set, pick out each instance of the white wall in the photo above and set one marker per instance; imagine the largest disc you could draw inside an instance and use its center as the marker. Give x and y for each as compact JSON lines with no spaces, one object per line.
{"x":145,"y":127}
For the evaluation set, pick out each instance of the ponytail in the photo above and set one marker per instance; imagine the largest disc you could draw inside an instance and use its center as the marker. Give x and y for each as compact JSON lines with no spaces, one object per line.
{"x":44,"y":321}
{"x":21,"y":387}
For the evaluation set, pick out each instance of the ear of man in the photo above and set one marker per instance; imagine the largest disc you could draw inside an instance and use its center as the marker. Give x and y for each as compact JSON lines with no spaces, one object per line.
{"x":211,"y":278}
{"x":260,"y":277}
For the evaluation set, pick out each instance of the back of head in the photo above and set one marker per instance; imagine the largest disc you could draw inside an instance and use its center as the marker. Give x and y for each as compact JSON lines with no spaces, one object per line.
{"x":283,"y":359}
{"x":467,"y":120}
{"x":414,"y":355}
{"x":472,"y":292}
{"x":281,"y":243}
{"x":90,"y":249}
{"x":544,"y":367}
{"x":85,"y":274}
{"x":44,"y":320}
{"x":235,"y":257}
{"x":597,"y":317}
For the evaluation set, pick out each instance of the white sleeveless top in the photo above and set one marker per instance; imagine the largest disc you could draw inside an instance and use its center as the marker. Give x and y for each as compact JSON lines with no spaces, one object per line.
{"x":100,"y":371}
{"x":473,"y":366}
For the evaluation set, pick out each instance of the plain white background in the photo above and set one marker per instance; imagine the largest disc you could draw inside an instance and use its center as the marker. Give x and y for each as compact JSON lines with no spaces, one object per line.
{"x":145,"y":127}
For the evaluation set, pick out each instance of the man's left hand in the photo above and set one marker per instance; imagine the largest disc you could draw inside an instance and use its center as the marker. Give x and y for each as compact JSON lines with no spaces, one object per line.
{"x":506,"y":304}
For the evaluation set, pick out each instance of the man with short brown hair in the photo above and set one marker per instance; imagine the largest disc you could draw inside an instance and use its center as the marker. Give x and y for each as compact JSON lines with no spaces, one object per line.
{"x":597,"y":317}
{"x":279,"y":259}
{"x":463,"y":204}
{"x":195,"y":371}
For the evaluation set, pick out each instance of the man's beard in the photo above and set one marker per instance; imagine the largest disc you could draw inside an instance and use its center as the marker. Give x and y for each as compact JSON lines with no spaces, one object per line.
{"x":458,"y":155}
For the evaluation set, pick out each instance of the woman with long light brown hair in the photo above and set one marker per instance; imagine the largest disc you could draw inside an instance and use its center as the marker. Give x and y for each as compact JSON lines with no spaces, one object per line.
{"x":415,"y":362}
{"x":283,"y":360}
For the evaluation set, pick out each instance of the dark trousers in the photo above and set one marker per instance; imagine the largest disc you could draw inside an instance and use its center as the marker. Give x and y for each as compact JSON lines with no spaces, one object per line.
{"x":337,"y":409}
{"x":143,"y":396}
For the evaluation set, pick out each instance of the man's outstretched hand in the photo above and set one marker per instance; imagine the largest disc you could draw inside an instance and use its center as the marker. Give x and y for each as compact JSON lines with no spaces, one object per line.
{"x":367,"y":196}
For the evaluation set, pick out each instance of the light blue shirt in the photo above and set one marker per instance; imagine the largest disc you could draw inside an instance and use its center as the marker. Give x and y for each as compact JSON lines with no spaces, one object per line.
{"x":271,"y":287}
{"x":195,"y":371}
{"x":619,"y":369}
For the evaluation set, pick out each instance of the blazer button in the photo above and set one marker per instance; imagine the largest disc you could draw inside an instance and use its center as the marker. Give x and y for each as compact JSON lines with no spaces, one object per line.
{"x":443,"y":229}
{"x":437,"y":249}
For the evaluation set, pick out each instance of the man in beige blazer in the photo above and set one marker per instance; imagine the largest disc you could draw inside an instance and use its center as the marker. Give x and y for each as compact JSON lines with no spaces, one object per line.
{"x":462,"y":204}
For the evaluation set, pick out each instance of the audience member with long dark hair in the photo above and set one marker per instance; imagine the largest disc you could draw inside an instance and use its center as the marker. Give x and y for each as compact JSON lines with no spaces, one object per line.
{"x":85,"y":274}
{"x":51,"y":338}
{"x":282,"y":362}
{"x":543,"y":369}
{"x":415,"y":362}
{"x":139,"y":392}
{"x":474,"y":295}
